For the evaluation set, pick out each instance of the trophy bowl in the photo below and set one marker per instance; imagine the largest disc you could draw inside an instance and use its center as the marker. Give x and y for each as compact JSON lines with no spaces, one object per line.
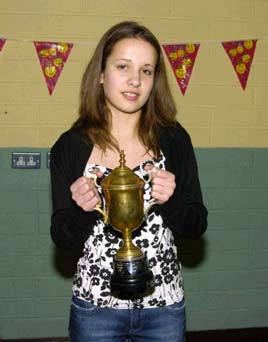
{"x":123,"y":193}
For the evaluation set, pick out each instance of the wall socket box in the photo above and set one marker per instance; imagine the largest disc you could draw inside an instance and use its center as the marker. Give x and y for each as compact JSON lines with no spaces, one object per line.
{"x":26,"y":160}
{"x":48,"y":160}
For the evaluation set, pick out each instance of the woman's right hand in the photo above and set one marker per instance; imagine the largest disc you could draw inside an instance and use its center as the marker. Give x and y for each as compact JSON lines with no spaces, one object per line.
{"x":85,"y":194}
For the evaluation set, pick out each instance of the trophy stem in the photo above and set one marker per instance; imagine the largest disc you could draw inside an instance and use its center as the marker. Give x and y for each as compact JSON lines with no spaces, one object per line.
{"x":128,"y":250}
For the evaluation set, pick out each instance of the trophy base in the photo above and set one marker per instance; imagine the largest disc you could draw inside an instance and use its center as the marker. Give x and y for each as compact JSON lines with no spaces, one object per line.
{"x":131,"y":278}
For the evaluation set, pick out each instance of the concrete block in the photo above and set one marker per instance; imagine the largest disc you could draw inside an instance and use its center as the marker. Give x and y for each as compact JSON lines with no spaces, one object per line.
{"x":52,"y":307}
{"x":52,"y":287}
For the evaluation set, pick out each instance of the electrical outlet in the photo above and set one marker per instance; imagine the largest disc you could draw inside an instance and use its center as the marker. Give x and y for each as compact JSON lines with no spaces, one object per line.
{"x":48,"y":160}
{"x":26,"y":160}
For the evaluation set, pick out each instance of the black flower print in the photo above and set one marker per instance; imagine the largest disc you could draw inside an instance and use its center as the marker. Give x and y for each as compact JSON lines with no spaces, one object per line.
{"x":161,"y":303}
{"x":142,"y":243}
{"x":159,"y":258}
{"x":111,"y":238}
{"x":155,"y":242}
{"x":85,"y":293}
{"x":111,"y":252}
{"x":99,"y":237}
{"x":168,"y":278}
{"x":138,"y":306}
{"x":101,"y":302}
{"x":76,"y":293}
{"x":156,"y":215}
{"x":87,"y":252}
{"x":105,"y":294}
{"x":78,"y":282}
{"x":152,"y":302}
{"x":95,"y":281}
{"x":158,"y":280}
{"x":137,"y":303}
{"x":95,"y":242}
{"x":88,"y":297}
{"x":94,"y":270}
{"x":105,"y":285}
{"x":105,"y":274}
{"x":152,"y":262}
{"x":145,"y":167}
{"x":174,"y":268}
{"x":154,"y":228}
{"x":169,"y":255}
{"x":165,"y":270}
{"x":150,"y":218}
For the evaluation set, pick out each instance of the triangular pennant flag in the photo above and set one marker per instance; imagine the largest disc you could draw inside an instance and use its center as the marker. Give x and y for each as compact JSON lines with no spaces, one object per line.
{"x":52,"y":57}
{"x":182,"y":58}
{"x":2,"y":43}
{"x":241,"y":55}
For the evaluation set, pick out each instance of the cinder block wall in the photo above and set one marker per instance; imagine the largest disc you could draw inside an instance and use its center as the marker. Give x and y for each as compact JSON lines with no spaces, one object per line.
{"x":226,"y":272}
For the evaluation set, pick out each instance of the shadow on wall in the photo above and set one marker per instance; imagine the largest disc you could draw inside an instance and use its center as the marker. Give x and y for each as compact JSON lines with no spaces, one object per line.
{"x":192,"y":253}
{"x":65,"y":261}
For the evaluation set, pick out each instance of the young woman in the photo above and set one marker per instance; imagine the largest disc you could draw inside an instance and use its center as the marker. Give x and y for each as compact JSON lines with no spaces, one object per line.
{"x":125,"y":103}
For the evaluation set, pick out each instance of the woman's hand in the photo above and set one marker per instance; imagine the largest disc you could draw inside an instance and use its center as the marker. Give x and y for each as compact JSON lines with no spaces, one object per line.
{"x":85,"y":194}
{"x":163,"y":185}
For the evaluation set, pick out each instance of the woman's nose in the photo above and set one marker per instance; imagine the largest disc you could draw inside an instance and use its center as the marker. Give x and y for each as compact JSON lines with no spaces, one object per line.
{"x":134,"y":79}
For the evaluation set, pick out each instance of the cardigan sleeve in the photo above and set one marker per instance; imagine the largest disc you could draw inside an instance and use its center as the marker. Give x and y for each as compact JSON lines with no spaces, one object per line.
{"x":70,"y":224}
{"x":184,"y":213}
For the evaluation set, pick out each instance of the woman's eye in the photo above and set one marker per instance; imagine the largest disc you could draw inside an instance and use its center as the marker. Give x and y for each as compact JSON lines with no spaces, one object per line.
{"x":122,"y":67}
{"x":147,"y":72}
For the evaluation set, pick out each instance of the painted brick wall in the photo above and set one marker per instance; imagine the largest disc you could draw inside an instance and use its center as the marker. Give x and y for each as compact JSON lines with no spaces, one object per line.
{"x":228,"y":271}
{"x":225,"y":272}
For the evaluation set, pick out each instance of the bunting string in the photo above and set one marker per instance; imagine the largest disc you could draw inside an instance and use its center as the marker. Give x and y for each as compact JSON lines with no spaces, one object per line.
{"x":197,"y":41}
{"x":181,"y":56}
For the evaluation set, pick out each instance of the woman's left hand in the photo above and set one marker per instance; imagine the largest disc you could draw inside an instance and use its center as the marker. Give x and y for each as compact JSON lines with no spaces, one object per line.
{"x":163,"y":185}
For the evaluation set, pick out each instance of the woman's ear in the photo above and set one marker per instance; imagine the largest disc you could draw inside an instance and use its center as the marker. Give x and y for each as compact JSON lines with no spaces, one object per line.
{"x":101,"y":78}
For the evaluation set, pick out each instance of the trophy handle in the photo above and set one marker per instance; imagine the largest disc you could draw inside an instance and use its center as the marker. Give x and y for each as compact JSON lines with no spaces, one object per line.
{"x":94,"y":178}
{"x":102,"y":212}
{"x":98,"y":207}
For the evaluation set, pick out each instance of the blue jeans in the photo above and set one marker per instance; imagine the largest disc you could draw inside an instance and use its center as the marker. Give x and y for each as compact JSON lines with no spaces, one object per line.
{"x":89,"y":323}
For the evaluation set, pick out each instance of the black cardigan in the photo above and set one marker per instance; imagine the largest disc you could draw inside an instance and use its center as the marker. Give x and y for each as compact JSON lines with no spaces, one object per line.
{"x":184,"y":213}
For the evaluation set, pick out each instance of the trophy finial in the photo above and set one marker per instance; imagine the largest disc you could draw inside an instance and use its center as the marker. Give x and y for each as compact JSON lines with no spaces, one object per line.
{"x":122,"y":159}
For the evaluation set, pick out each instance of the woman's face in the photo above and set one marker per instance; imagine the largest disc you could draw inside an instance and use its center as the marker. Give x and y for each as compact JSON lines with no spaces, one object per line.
{"x":129,"y":76}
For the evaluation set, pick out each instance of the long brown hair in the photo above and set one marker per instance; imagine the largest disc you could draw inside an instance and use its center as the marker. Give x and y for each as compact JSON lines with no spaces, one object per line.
{"x":94,"y":116}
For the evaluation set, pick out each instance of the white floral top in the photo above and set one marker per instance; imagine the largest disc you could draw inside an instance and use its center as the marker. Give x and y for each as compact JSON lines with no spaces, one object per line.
{"x":92,"y":279}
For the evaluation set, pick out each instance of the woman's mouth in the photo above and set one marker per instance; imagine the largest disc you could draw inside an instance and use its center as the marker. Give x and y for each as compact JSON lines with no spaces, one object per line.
{"x":130,"y":96}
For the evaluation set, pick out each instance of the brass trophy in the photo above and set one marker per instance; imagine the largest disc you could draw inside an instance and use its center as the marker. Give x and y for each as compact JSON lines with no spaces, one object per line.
{"x":123,"y":192}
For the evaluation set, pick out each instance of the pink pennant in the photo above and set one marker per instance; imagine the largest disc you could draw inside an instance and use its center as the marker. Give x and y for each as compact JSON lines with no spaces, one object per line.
{"x":182,"y":58}
{"x":52,"y":57}
{"x":2,"y":43}
{"x":241,"y":54}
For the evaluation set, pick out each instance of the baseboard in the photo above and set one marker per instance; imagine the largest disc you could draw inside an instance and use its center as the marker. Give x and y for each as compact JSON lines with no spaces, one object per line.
{"x":232,"y":335}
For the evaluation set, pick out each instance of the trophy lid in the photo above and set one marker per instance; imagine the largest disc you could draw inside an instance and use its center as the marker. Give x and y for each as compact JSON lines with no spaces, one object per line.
{"x":122,"y":177}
